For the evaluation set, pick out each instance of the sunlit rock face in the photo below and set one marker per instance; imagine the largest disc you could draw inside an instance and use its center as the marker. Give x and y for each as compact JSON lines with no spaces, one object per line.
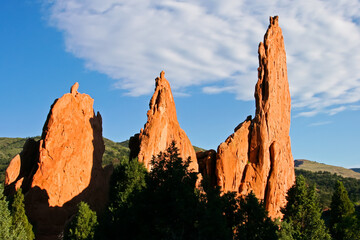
{"x":161,"y":128}
{"x":257,"y":156}
{"x":64,"y":167}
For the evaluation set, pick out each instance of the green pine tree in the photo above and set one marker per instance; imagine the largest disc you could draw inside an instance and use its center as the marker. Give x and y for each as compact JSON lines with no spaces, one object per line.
{"x":127,"y":182}
{"x":343,"y":222}
{"x":5,"y":218}
{"x":168,"y":208}
{"x":172,"y":193}
{"x":231,"y":208}
{"x":254,"y":222}
{"x":20,"y":222}
{"x":286,"y":231}
{"x":212,"y":219}
{"x":127,"y":179}
{"x":302,"y":214}
{"x":350,"y":227}
{"x":83,"y":225}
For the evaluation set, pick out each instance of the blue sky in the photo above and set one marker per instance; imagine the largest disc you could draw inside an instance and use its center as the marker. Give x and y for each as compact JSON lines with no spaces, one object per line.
{"x":208,"y":49}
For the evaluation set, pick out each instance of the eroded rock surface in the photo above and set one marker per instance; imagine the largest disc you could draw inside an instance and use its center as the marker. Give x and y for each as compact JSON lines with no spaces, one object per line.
{"x":64,"y":167}
{"x":161,"y":128}
{"x":257,"y":156}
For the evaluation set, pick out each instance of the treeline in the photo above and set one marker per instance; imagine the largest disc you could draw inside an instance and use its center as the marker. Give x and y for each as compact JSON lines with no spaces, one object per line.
{"x":325,"y":184}
{"x":169,"y":202}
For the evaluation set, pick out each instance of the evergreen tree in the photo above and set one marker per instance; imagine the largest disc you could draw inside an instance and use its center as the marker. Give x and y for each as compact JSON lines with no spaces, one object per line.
{"x":254,"y":223}
{"x":5,"y":218}
{"x":350,"y":228}
{"x":20,"y":222}
{"x":83,"y":225}
{"x":303,"y":214}
{"x":286,"y":231}
{"x":212,"y":219}
{"x":168,"y":208}
{"x":174,"y":201}
{"x":127,"y":179}
{"x":342,"y":218}
{"x":127,"y":182}
{"x":231,"y":208}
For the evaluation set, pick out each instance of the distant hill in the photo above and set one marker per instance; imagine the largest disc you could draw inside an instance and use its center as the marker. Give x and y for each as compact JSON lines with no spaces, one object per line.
{"x":114,"y":152}
{"x":125,"y":143}
{"x":356,"y":169}
{"x":315,"y":167}
{"x":9,"y":147}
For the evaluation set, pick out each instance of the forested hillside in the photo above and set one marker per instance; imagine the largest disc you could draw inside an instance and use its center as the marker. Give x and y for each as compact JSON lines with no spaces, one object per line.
{"x":325,"y":183}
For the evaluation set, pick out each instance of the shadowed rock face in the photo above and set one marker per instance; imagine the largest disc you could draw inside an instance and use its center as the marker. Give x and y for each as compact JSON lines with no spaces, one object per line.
{"x":207,"y":165}
{"x":161,"y":128}
{"x":64,"y":167}
{"x":257,"y":156}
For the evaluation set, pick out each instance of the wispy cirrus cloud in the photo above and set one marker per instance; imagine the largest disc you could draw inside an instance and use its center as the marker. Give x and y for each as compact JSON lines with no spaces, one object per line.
{"x":213,"y":44}
{"x":316,"y":124}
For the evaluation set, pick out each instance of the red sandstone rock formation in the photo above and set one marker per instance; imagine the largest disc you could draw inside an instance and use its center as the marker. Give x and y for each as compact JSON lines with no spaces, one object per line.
{"x":161,"y":128}
{"x":207,"y":165}
{"x":64,"y":167}
{"x":13,"y":170}
{"x":257,"y":157}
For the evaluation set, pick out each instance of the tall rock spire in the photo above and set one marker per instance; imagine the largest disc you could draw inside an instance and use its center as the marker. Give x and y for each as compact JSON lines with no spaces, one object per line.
{"x":272,"y":163}
{"x":161,"y":128}
{"x":257,"y":156}
{"x":64,"y":167}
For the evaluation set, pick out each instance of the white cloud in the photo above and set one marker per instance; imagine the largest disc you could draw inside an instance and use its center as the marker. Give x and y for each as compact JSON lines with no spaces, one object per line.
{"x":334,"y":111}
{"x":354,"y":107}
{"x":316,"y":124}
{"x":213,"y":44}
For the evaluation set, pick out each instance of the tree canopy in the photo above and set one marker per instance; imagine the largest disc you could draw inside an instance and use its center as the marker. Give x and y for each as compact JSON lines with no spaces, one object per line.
{"x":20,"y":221}
{"x":344,"y":224}
{"x":302,"y":214}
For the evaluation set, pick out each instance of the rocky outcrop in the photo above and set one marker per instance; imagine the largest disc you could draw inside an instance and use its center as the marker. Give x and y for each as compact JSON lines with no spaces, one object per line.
{"x":232,"y":158}
{"x":207,"y":165}
{"x":161,"y":128}
{"x":64,"y":167}
{"x":257,"y":156}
